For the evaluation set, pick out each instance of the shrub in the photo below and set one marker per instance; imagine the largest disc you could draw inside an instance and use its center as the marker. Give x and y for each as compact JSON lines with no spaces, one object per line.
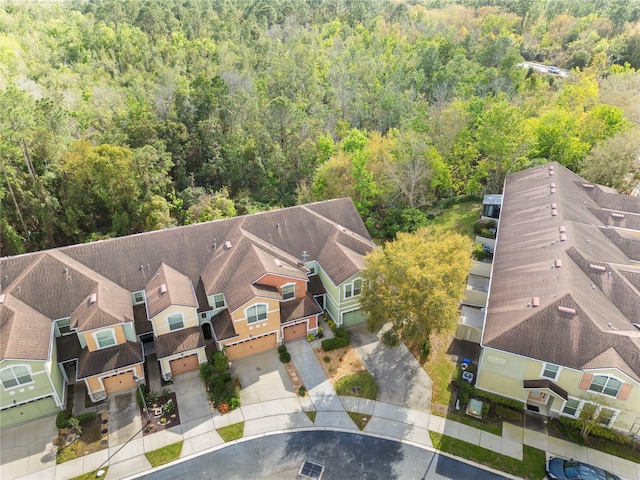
{"x":282,"y":349}
{"x":234,"y":402}
{"x":390,"y":338}
{"x":508,"y":413}
{"x":464,"y":392}
{"x":62,"y":420}
{"x":302,"y":391}
{"x":326,"y":359}
{"x":311,"y":337}
{"x":74,"y":424}
{"x":165,"y":393}
{"x":598,"y":431}
{"x":220,"y":362}
{"x":330,"y":323}
{"x":152,"y":397}
{"x":224,"y":408}
{"x":457,"y":375}
{"x":206,"y":371}
{"x":487,"y":233}
{"x":169,"y":407}
{"x":481,"y":225}
{"x":425,"y":348}
{"x":334,"y":343}
{"x":479,"y":253}
{"x":498,"y":400}
{"x":320,"y":332}
{"x":87,"y":417}
{"x":285,"y":357}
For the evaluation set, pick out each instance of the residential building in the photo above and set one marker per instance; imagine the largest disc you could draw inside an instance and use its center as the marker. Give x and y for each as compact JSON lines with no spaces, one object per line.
{"x":562,"y":324}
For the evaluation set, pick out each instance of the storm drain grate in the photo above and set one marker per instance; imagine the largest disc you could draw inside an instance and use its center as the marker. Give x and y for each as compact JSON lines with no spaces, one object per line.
{"x":311,"y":470}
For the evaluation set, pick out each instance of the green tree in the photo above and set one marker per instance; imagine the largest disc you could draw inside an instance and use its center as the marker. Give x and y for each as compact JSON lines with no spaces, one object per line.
{"x":416,"y":282}
{"x":211,"y":206}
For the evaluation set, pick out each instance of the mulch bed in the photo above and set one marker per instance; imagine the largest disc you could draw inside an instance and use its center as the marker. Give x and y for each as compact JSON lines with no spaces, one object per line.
{"x":156,"y":425}
{"x":342,"y":362}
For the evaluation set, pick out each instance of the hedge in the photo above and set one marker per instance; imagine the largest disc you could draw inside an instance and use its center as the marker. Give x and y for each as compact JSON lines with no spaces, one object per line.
{"x":86,"y":417}
{"x":498,"y":400}
{"x":508,"y":413}
{"x":285,"y":357}
{"x":341,"y":340}
{"x":599,"y":431}
{"x":62,"y":420}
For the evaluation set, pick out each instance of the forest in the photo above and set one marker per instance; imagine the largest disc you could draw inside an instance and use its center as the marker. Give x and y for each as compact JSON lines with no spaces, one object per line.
{"x":124,"y":116}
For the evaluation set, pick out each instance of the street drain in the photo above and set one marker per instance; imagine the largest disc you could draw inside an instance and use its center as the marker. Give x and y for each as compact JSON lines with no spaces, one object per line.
{"x":356,"y":389}
{"x":311,"y":470}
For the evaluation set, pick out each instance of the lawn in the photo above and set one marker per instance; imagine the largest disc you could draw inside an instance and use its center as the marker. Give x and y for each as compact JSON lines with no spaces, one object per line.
{"x":359,"y":419}
{"x":531,"y":467}
{"x":91,"y":475}
{"x":232,"y":432}
{"x":360,"y":385}
{"x":311,"y":415}
{"x":90,"y":441}
{"x":163,"y":455}
{"x":459,"y":218}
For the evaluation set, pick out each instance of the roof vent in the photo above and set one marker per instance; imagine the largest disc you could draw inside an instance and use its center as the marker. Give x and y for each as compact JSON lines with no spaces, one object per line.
{"x":567,"y":310}
{"x":563,"y":237}
{"x":552,"y":190}
{"x":552,"y":185}
{"x":557,"y":263}
{"x":227,"y":245}
{"x":277,"y":262}
{"x":93,"y":298}
{"x":163,"y":289}
{"x":562,"y":229}
{"x":597,"y":268}
{"x":587,"y":186}
{"x":2,"y":297}
{"x":535,"y":302}
{"x":554,"y":205}
{"x":554,"y":212}
{"x":617,"y":215}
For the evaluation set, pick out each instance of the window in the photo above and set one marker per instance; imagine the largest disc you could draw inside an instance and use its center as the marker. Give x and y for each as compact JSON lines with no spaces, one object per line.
{"x":606,"y":385}
{"x":550,"y":370}
{"x":312,"y":270}
{"x":218,"y":300}
{"x":105,"y":338}
{"x":175,"y":322}
{"x":353,"y":289}
{"x":137,"y":297}
{"x":64,"y":325}
{"x":288,"y":291}
{"x":571,"y":407}
{"x":605,"y":416}
{"x":257,"y":313}
{"x":14,"y":376}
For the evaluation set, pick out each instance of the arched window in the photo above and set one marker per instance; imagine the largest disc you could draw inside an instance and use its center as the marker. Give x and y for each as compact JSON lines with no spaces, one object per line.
{"x":257,"y":313}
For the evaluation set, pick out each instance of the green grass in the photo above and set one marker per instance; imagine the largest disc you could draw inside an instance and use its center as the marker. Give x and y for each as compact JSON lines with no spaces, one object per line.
{"x":311,"y":415}
{"x":165,"y":454}
{"x":362,"y":381}
{"x":531,"y":467}
{"x":232,"y":432}
{"x":89,"y":442}
{"x":495,"y":428}
{"x":459,"y":218}
{"x":91,"y":475}
{"x":359,"y":419}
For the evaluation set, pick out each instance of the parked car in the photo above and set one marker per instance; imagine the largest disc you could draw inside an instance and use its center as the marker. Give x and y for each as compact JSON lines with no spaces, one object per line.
{"x":561,"y":469}
{"x":554,"y":70}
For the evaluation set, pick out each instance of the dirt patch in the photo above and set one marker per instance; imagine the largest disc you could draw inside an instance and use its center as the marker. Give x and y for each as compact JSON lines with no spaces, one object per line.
{"x":296,"y":381}
{"x":342,"y":362}
{"x":92,"y":439}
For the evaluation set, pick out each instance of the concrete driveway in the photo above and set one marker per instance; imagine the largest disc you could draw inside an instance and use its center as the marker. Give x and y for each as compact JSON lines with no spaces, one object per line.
{"x":262,"y":377}
{"x":191,"y":396}
{"x":124,"y":418}
{"x":401,"y":379}
{"x":27,"y":448}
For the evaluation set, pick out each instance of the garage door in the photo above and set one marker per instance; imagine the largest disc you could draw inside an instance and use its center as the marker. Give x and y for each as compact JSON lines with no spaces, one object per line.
{"x":355,"y":317}
{"x":116,"y":383}
{"x":295,"y":332}
{"x":185,"y":364}
{"x":251,"y":347}
{"x":28,"y":411}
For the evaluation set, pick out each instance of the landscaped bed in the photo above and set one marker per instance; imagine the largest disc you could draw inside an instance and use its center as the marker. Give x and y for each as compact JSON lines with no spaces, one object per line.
{"x":93,"y":438}
{"x":340,"y":362}
{"x":163,"y":413}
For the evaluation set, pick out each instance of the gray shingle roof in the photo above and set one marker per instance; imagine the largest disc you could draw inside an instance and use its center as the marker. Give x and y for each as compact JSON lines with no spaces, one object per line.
{"x":24,"y":332}
{"x":179,"y":341}
{"x":299,"y":308}
{"x":528,"y":246}
{"x":109,"y":359}
{"x":177,"y":290}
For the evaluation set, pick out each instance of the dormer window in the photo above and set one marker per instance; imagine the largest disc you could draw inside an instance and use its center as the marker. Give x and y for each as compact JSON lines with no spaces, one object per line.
{"x":218,"y":301}
{"x":257,"y":313}
{"x":137,"y":298}
{"x":105,"y":338}
{"x":63,"y":325}
{"x":175,"y":322}
{"x":289,"y":291}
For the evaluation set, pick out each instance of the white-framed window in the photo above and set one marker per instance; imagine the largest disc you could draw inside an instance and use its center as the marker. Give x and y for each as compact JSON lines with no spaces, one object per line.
{"x":15,"y":376}
{"x":105,"y":338}
{"x":257,"y":313}
{"x":312,"y":270}
{"x":218,"y":301}
{"x":605,"y":384}
{"x":549,"y":370}
{"x":289,"y":291}
{"x":353,"y":289}
{"x":175,"y":321}
{"x":571,"y":407}
{"x":137,"y":297}
{"x":605,"y":416}
{"x":64,"y":326}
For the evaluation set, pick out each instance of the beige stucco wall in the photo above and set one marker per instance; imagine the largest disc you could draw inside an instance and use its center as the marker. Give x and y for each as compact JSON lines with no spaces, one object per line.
{"x":243,"y":329}
{"x":160,"y":322}
{"x":94,"y":384}
{"x":91,"y":343}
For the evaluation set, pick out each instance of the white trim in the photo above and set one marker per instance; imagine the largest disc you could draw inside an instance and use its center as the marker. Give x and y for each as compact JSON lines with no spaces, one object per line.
{"x":133,"y":299}
{"x":95,"y":333}
{"x":251,"y":338}
{"x":35,"y":399}
{"x":18,"y":385}
{"x":290,"y":284}
{"x":602,"y":392}
{"x":181,"y":319}
{"x":352,"y":285}
{"x":258,"y":319}
{"x":544,"y":367}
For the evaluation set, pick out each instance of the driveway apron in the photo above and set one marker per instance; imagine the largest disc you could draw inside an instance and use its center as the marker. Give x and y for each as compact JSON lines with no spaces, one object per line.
{"x":262,"y":378}
{"x":27,"y":448}
{"x":191,"y":396}
{"x":401,"y":379}
{"x":124,"y":418}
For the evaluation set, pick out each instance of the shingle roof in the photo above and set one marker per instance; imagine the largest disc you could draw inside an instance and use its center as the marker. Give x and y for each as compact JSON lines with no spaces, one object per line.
{"x":142,"y":323}
{"x":177,"y":290}
{"x":25,"y":333}
{"x":524,"y":267}
{"x":109,"y":359}
{"x":299,"y":308}
{"x":223,"y":325}
{"x":69,"y":348}
{"x":179,"y":341}
{"x":315,"y":286}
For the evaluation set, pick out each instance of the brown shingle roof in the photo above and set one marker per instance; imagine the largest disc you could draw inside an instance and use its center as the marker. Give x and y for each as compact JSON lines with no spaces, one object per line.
{"x":315,"y":286}
{"x":68,"y":347}
{"x":142,"y":323}
{"x":299,"y":308}
{"x":24,"y":332}
{"x":528,"y":245}
{"x":108,"y":359}
{"x":223,"y":325}
{"x":177,"y":290}
{"x":179,"y":341}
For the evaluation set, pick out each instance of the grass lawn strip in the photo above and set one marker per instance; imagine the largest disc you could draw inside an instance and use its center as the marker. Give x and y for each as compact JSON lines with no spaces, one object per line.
{"x":89,"y":442}
{"x":311,"y":415}
{"x":163,"y":455}
{"x":91,"y":475}
{"x":459,"y":218}
{"x":232,"y":432}
{"x":360,"y":385}
{"x":530,"y":468}
{"x":495,"y":428}
{"x":359,"y":419}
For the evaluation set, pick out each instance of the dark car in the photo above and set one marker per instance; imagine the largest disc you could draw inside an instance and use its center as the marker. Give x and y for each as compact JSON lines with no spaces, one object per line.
{"x":561,"y":469}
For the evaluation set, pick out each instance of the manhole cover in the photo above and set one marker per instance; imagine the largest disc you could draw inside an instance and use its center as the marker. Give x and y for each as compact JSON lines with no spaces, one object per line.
{"x":103,"y":442}
{"x":356,"y":389}
{"x":311,"y":470}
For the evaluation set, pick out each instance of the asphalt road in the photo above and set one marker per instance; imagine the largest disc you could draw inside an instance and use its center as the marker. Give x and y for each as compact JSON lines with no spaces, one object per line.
{"x":344,"y":456}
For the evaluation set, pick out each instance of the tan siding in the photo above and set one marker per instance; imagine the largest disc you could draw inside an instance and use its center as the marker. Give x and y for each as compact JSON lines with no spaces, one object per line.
{"x":91,"y":343}
{"x":161,"y":324}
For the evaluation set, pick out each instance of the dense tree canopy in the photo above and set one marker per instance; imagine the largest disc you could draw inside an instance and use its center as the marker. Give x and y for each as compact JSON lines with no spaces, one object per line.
{"x":170,"y":112}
